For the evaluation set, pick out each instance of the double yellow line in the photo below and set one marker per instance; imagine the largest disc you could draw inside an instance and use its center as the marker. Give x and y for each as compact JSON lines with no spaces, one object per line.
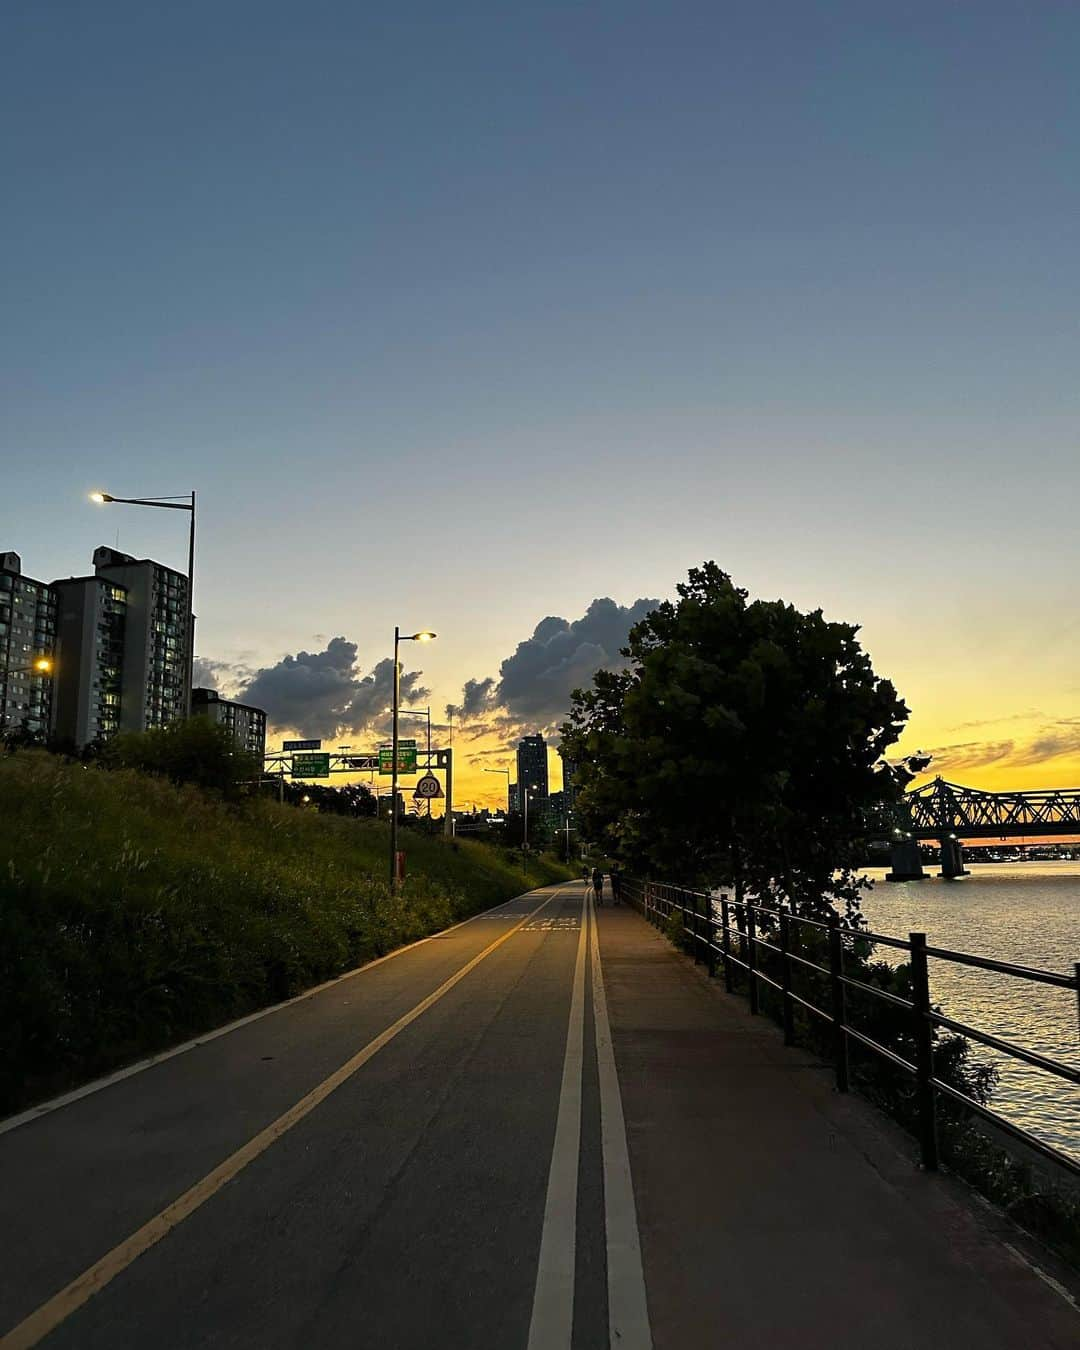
{"x":60,"y":1307}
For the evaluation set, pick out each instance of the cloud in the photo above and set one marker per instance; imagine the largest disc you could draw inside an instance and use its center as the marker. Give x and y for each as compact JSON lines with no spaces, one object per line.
{"x":324,"y":694}
{"x":1053,"y":741}
{"x":969,"y":755}
{"x":1032,"y":716}
{"x":205,"y":673}
{"x":535,"y":683}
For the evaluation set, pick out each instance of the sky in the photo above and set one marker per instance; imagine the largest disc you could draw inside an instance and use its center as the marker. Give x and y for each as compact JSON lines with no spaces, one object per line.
{"x":468,"y":317}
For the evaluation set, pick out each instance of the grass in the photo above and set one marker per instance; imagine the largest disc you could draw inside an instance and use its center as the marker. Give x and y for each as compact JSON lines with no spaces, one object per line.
{"x":134,"y":913}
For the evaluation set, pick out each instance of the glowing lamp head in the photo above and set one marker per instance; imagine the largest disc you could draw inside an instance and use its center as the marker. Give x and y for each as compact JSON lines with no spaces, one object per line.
{"x":100,"y":497}
{"x":43,"y":666}
{"x":424,"y":637}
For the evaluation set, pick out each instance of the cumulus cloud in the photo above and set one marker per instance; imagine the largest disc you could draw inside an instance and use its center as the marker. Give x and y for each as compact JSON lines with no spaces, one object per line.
{"x":205,"y":674}
{"x":534,"y":684}
{"x":324,"y":693}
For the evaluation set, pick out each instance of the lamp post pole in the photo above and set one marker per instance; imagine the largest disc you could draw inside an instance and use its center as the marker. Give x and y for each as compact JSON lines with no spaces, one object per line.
{"x":393,"y":770}
{"x":171,"y":504}
{"x":398,"y":640}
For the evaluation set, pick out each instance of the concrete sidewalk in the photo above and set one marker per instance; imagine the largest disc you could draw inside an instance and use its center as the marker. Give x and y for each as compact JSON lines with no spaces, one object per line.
{"x":775,"y":1212}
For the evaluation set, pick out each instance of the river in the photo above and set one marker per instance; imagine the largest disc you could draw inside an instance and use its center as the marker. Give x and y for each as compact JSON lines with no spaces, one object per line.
{"x":1027,"y":913}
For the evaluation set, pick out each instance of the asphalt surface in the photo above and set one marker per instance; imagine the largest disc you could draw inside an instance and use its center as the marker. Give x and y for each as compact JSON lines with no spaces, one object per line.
{"x":438,"y":1150}
{"x":406,"y":1209}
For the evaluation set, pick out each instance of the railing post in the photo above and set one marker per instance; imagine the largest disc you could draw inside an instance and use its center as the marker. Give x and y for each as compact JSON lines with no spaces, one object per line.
{"x":1076,"y":975}
{"x":836,"y":980}
{"x":924,"y":1051}
{"x":696,"y":930}
{"x":710,"y":933}
{"x":725,"y":942}
{"x":785,"y":979}
{"x":751,"y":955}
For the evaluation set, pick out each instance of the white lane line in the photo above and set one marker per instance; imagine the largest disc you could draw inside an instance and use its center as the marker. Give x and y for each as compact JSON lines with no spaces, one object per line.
{"x":552,"y":1324}
{"x":87,"y":1089}
{"x":628,"y":1313}
{"x":56,"y":1310}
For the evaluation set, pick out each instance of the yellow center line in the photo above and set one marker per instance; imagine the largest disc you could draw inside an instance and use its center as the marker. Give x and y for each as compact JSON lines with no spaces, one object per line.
{"x":59,"y":1308}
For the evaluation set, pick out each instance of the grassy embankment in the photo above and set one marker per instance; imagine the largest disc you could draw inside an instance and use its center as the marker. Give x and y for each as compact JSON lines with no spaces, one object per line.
{"x":134,"y":913}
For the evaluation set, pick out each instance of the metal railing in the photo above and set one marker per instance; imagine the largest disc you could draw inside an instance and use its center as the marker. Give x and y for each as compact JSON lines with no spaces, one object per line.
{"x":716,"y":941}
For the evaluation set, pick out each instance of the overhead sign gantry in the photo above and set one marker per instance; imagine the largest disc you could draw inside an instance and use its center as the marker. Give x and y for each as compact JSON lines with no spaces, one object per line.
{"x":306,"y":759}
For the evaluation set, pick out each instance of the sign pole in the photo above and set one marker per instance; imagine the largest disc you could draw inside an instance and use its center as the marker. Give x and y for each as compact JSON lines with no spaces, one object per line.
{"x":448,"y":818}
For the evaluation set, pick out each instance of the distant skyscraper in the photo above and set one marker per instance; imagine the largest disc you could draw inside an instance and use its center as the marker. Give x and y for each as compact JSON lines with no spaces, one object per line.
{"x":27,"y":635}
{"x":569,"y":768}
{"x":532,"y":766}
{"x":513,"y":799}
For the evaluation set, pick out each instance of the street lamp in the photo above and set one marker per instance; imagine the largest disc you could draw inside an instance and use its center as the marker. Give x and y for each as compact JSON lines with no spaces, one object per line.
{"x":399,"y":638}
{"x":174,"y":503}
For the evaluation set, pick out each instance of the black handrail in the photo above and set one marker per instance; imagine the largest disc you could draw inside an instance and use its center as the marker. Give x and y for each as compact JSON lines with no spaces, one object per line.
{"x":657,"y":901}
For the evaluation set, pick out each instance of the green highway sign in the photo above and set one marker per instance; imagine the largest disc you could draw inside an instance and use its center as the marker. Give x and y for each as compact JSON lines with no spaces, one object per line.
{"x":406,"y":758}
{"x":311,"y":766}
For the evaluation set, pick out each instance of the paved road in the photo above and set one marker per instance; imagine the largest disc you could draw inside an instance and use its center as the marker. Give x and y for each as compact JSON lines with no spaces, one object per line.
{"x":433,"y":1151}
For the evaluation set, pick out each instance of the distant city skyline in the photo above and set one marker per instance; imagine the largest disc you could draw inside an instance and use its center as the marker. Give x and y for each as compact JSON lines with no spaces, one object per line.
{"x":472,"y":318}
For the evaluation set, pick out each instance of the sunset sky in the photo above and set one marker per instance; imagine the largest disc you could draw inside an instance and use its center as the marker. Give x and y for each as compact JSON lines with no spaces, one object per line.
{"x":468,"y":317}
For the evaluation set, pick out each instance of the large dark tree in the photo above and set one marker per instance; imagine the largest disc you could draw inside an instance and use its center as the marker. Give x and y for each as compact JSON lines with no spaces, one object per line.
{"x":744,"y":745}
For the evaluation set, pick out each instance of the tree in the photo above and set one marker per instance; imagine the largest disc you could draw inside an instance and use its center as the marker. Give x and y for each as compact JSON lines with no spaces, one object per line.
{"x":744,"y":745}
{"x":194,"y":750}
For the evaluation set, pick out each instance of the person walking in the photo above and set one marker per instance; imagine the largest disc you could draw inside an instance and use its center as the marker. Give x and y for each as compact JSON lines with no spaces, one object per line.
{"x":598,"y":885}
{"x":616,"y":885}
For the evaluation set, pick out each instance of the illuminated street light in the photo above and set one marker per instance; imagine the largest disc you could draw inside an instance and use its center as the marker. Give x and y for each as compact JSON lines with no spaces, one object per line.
{"x":174,"y":503}
{"x":423,"y":636}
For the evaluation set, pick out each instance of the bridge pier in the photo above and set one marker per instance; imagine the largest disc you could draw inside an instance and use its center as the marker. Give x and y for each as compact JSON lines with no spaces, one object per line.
{"x":906,"y":858}
{"x":952,"y":858}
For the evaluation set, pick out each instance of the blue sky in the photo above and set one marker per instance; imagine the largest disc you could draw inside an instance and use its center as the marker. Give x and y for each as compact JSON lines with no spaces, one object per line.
{"x":464,"y":316}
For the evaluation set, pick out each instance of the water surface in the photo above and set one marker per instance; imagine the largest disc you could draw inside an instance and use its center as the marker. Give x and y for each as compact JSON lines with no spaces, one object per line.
{"x":1027,"y":913}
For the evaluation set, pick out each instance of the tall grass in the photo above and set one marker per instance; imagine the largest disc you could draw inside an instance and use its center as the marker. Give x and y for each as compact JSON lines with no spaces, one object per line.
{"x":134,"y":912}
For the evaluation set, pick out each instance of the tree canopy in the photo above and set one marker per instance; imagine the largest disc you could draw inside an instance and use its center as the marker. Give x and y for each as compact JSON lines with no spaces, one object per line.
{"x":743,"y":745}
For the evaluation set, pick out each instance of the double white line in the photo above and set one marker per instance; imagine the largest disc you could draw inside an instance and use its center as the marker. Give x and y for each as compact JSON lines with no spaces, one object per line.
{"x":552,"y":1323}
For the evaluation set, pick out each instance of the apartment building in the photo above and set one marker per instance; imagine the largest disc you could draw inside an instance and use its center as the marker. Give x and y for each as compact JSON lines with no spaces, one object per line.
{"x":27,"y":649}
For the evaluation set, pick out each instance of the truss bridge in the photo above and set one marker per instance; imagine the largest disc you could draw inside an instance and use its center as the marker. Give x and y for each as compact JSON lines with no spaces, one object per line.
{"x":950,"y":812}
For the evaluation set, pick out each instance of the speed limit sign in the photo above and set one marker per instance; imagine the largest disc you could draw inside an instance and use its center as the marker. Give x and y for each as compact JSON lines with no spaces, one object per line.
{"x":427,"y":788}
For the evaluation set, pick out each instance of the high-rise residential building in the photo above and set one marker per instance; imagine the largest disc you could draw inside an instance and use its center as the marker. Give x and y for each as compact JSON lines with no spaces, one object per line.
{"x":88,"y":684}
{"x":513,"y":799}
{"x":245,"y":724}
{"x":155,"y":672}
{"x":532,"y":766}
{"x":27,"y":638}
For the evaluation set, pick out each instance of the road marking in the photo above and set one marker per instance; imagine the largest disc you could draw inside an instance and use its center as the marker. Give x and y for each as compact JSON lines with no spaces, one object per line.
{"x":57,"y":1309}
{"x":552,"y":1324}
{"x":87,"y":1089}
{"x":628,"y":1313}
